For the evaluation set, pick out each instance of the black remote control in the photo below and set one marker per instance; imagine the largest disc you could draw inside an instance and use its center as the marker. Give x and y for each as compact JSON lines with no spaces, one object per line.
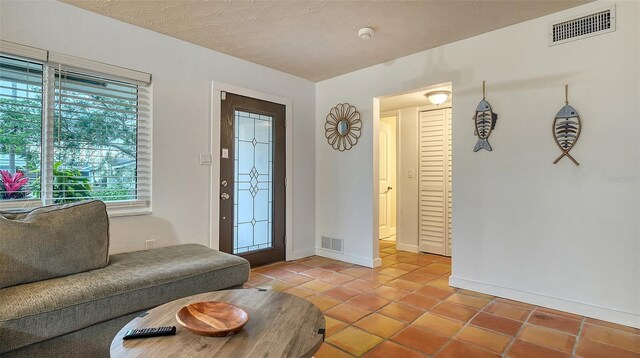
{"x":150,"y":332}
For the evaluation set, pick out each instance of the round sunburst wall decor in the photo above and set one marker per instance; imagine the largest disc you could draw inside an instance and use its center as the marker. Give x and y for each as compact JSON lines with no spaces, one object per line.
{"x":343,"y":126}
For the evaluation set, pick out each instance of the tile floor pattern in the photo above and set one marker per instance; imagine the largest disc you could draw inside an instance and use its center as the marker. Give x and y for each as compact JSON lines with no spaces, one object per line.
{"x":405,"y":308}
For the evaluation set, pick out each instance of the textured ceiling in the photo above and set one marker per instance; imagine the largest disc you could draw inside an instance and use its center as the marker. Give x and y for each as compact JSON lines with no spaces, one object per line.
{"x":318,"y":40}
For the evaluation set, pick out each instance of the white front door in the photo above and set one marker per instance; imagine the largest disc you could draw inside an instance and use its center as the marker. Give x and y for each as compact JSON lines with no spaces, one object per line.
{"x":387,"y":164}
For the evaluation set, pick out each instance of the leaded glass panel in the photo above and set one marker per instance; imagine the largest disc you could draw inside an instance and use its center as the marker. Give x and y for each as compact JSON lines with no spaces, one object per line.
{"x":253,"y":199}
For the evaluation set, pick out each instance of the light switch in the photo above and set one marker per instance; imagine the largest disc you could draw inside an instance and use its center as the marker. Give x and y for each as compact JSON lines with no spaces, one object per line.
{"x":205,"y":159}
{"x":225,"y":153}
{"x":412,"y":173}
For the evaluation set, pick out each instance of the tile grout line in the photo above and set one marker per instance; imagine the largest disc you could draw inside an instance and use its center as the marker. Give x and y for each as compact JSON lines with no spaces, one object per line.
{"x":389,"y":340}
{"x":442,"y":348}
{"x":577,"y":342}
{"x":577,"y":335}
{"x":515,"y":336}
{"x":338,"y":348}
{"x":465,"y":325}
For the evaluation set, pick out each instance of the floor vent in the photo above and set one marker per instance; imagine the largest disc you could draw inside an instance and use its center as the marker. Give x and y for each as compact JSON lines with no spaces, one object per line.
{"x":591,"y":24}
{"x":332,"y":244}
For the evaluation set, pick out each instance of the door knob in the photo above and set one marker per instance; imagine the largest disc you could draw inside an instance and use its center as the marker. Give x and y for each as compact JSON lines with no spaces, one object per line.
{"x":224,"y":196}
{"x":389,"y":188}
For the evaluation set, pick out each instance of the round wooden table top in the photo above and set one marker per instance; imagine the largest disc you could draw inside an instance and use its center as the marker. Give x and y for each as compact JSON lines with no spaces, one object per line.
{"x":280,"y":325}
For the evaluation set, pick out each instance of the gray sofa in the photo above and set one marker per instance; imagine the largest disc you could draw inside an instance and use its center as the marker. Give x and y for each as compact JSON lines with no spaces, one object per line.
{"x":78,"y":314}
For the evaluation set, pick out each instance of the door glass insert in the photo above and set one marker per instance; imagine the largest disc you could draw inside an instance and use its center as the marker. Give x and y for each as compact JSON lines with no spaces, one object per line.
{"x":253,"y":199}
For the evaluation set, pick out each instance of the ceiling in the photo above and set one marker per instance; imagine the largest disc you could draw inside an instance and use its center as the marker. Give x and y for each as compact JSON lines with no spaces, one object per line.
{"x":414,"y":99}
{"x":318,"y":39}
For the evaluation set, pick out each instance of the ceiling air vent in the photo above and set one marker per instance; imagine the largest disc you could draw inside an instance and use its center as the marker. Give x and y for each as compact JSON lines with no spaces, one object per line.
{"x":591,"y":24}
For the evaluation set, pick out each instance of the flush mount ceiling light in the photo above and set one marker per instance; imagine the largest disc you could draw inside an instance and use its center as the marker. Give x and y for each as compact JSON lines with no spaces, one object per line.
{"x":437,"y":97}
{"x":366,"y":33}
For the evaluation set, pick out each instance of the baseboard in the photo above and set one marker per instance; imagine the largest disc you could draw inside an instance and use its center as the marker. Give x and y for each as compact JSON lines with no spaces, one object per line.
{"x":300,"y":254}
{"x":406,"y":247}
{"x":583,"y":309}
{"x":362,"y":261}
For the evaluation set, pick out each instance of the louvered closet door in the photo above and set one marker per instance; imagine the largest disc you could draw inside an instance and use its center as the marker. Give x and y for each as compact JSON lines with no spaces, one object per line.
{"x":449,"y":181}
{"x":435,"y":200}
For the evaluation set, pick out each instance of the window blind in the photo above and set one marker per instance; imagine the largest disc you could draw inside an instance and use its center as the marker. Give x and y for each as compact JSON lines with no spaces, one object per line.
{"x":99,"y":67}
{"x":73,"y":130}
{"x":100,"y":142}
{"x":21,"y":98}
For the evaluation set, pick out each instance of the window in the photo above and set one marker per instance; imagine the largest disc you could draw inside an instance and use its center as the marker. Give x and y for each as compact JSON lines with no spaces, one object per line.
{"x":69,"y":133}
{"x":20,"y":128}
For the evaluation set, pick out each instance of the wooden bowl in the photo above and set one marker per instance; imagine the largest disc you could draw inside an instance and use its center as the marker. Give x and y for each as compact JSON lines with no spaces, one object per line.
{"x":211,"y":318}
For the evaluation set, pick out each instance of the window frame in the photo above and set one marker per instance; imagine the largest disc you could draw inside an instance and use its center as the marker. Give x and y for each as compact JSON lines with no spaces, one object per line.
{"x":144,"y":126}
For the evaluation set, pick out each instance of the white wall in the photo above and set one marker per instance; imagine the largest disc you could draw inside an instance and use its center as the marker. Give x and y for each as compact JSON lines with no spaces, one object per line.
{"x":556,"y":235}
{"x":408,"y":194}
{"x":182,"y":75}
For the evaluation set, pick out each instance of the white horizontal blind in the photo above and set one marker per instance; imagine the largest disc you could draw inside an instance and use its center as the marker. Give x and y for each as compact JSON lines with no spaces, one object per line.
{"x":99,"y":67}
{"x":434,"y":181}
{"x":100,"y":138}
{"x":72,"y":133}
{"x":21,"y":92}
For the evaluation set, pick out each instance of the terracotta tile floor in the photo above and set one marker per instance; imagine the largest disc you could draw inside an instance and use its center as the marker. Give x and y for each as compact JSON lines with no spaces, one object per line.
{"x":407,"y":309}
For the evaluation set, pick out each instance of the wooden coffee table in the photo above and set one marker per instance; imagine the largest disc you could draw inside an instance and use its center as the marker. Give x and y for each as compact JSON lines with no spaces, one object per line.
{"x":280,"y":325}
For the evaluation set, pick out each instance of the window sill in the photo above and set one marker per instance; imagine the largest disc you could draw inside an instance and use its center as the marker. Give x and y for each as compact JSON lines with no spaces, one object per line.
{"x":128,"y":208}
{"x":114,"y":209}
{"x":128,"y":212}
{"x":19,"y":204}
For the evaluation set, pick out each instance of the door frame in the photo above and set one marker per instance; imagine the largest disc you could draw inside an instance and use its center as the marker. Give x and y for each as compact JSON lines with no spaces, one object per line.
{"x":214,"y":176}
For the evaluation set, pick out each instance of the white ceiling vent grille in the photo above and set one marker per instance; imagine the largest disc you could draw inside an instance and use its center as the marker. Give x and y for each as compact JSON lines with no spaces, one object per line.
{"x":331,"y":244}
{"x":591,"y":24}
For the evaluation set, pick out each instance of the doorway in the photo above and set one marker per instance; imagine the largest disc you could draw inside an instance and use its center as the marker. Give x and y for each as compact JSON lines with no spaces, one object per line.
{"x":422,"y":190}
{"x":252,"y":179}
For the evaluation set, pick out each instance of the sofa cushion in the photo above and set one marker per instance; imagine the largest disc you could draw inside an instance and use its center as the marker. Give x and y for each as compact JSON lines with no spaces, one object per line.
{"x":53,"y":241}
{"x":132,"y":282}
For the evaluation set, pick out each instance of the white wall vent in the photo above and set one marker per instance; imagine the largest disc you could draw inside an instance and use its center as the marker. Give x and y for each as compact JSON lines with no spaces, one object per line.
{"x":587,"y":25}
{"x":332,"y":244}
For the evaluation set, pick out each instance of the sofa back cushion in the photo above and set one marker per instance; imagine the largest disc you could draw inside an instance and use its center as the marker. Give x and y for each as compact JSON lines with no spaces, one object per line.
{"x":53,"y":241}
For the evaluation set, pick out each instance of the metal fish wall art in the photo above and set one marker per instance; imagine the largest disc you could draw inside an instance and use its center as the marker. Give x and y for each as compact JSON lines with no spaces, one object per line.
{"x":566,"y":128}
{"x":485,"y":121}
